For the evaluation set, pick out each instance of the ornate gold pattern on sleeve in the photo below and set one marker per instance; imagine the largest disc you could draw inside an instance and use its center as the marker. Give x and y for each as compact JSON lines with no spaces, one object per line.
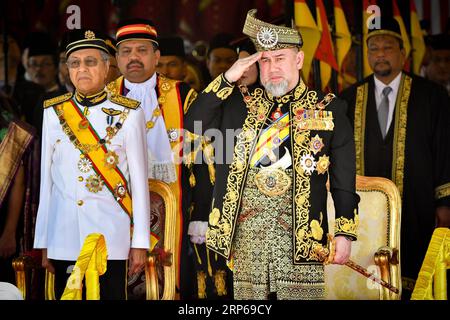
{"x":346,"y":226}
{"x":219,"y":236}
{"x":442,"y":191}
{"x":401,"y":117}
{"x":306,"y":232}
{"x":191,"y":96}
{"x":216,"y":84}
{"x":360,"y":126}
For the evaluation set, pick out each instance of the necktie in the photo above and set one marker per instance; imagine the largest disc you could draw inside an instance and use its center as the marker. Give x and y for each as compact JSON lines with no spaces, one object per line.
{"x":383,"y":111}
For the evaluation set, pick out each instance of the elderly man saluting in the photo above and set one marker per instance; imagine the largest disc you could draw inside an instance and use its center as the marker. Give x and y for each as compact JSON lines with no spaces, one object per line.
{"x":94,"y":157}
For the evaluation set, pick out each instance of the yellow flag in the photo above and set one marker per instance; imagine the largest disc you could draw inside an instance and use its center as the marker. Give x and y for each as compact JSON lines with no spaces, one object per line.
{"x":398,"y":17}
{"x":310,"y":34}
{"x":417,"y":41}
{"x":367,"y":71}
{"x":343,"y":38}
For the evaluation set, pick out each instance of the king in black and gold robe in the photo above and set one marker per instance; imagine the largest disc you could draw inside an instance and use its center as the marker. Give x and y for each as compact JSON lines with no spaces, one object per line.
{"x":321,"y":144}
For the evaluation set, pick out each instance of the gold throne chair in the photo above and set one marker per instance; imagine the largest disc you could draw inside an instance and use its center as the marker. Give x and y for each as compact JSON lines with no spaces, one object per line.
{"x":377,"y":247}
{"x":160,"y":270}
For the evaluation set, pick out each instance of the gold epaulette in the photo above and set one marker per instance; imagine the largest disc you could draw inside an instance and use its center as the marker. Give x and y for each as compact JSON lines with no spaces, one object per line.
{"x":57,"y":100}
{"x":124,"y":101}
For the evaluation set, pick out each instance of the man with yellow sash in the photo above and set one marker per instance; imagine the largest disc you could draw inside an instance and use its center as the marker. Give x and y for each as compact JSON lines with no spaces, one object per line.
{"x":164,"y":102}
{"x":401,"y":128}
{"x":93,"y":173}
{"x":269,"y":208}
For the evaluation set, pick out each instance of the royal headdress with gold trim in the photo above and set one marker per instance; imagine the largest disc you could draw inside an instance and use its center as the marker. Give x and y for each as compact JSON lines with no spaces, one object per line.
{"x":268,"y":36}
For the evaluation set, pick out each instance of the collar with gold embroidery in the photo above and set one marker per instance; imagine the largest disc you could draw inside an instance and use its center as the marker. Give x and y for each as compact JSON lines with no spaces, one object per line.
{"x":92,"y":100}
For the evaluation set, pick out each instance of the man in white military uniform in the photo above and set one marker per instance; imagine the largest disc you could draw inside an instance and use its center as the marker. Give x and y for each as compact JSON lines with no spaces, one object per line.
{"x":94,"y":157}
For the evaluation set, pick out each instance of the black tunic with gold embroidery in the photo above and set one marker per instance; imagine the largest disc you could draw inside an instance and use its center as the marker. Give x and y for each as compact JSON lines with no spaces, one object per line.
{"x":415,"y":155}
{"x":220,"y":106}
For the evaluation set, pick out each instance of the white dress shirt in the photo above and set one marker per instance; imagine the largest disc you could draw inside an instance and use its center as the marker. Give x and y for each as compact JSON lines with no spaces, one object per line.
{"x":392,"y":96}
{"x":69,"y":212}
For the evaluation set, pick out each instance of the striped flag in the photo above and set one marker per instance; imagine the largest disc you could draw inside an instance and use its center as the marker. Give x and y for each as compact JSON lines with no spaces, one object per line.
{"x":343,"y":38}
{"x":310,"y":34}
{"x":325,"y":51}
{"x":417,"y":41}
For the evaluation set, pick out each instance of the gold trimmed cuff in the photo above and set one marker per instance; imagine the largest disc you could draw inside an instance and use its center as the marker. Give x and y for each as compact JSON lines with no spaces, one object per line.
{"x":346,"y":227}
{"x":442,"y":191}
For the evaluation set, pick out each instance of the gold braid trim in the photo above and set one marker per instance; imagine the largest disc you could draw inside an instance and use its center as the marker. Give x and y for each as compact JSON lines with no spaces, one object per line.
{"x":401,"y":117}
{"x":306,"y":232}
{"x":442,"y":191}
{"x":218,"y":82}
{"x":222,"y":225}
{"x":360,"y":126}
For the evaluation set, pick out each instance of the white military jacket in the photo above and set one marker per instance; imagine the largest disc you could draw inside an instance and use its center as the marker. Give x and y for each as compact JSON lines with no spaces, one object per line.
{"x":68,"y":211}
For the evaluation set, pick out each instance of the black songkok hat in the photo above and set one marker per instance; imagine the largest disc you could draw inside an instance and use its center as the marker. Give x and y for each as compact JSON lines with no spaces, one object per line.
{"x":221,"y":40}
{"x":85,"y":39}
{"x":388,"y":26}
{"x":171,"y":46}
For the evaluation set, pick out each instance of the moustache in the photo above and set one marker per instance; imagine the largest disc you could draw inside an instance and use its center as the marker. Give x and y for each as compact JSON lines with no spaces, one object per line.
{"x":382,"y":62}
{"x":135,"y":63}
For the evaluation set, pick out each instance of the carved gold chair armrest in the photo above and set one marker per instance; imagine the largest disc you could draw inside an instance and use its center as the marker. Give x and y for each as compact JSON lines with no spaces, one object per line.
{"x":162,"y":255}
{"x":377,"y":247}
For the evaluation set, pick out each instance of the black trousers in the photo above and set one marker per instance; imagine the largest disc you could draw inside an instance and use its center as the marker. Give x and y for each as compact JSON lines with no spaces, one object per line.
{"x":113,"y":283}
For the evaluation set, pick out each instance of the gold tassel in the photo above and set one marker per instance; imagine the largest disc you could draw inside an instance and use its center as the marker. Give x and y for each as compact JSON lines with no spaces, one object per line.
{"x":192,"y":181}
{"x":199,"y":260}
{"x":209,"y":263}
{"x":201,"y":284}
{"x":220,"y":283}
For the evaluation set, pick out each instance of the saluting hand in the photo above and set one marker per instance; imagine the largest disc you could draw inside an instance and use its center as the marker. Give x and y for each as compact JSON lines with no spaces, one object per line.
{"x":137,"y":260}
{"x":240,"y":66}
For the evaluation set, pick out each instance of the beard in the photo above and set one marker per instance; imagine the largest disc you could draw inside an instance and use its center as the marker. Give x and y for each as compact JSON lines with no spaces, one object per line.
{"x":277,"y":89}
{"x":384,"y":72}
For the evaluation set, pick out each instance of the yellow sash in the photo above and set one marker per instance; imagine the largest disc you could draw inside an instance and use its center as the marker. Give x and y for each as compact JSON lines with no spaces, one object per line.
{"x":70,"y":114}
{"x":266,"y":139}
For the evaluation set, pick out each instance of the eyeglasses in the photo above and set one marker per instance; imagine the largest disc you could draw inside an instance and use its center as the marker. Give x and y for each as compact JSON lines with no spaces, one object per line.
{"x":76,"y":63}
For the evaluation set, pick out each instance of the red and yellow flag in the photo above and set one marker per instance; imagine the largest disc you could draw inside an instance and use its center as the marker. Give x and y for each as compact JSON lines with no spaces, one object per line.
{"x":343,"y":38}
{"x":398,"y":17}
{"x":417,"y":41}
{"x":310,"y":34}
{"x":325,"y":50}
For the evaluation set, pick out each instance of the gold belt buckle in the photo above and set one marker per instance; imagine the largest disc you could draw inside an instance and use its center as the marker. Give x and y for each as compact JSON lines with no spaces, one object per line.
{"x":272,"y":182}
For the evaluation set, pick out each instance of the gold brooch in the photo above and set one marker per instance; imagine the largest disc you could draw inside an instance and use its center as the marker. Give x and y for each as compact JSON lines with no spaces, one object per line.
{"x":111,"y":159}
{"x":323,"y":164}
{"x":94,"y":183}
{"x":272,"y":182}
{"x":89,"y":35}
{"x":120,"y":191}
{"x":316,"y":144}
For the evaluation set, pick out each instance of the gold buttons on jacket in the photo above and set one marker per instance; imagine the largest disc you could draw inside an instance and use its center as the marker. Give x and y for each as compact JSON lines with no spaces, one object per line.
{"x":80,"y":202}
{"x":80,"y":178}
